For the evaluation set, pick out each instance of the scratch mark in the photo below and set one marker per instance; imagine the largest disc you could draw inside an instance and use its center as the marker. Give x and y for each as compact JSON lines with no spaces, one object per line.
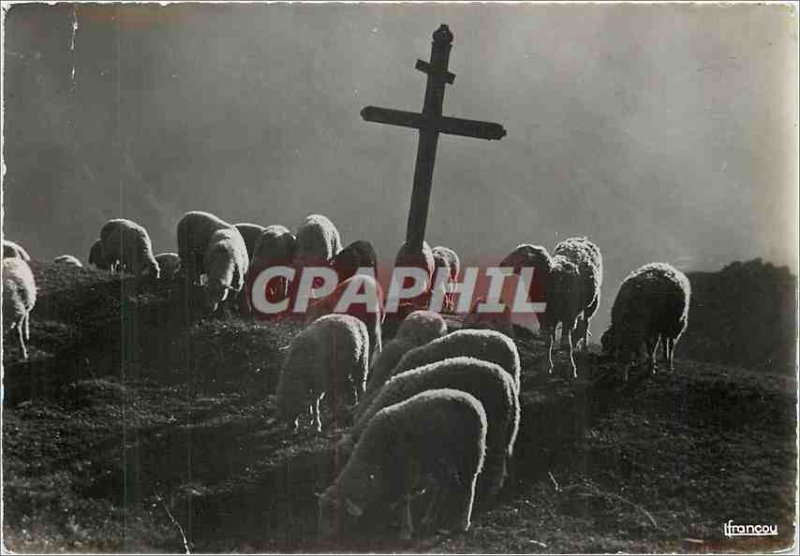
{"x":72,"y":40}
{"x":175,"y":522}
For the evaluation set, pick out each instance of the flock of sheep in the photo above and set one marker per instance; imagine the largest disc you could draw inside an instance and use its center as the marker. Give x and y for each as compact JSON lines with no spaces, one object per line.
{"x":430,"y":411}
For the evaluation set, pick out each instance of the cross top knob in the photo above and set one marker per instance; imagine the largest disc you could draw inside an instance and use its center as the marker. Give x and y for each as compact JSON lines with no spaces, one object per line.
{"x":443,"y":34}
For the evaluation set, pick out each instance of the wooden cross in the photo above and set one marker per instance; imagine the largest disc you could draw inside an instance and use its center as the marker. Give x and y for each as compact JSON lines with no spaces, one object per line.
{"x":430,"y":124}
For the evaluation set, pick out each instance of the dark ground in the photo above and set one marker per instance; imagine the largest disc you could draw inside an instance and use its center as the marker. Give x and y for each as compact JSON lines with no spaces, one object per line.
{"x":166,"y":441}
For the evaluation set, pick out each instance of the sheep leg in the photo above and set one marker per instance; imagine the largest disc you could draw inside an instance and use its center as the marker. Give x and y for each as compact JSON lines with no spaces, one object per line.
{"x":665,"y":350}
{"x":317,"y":418}
{"x":433,"y":506}
{"x":27,"y":326}
{"x":569,"y":350}
{"x":652,"y":344}
{"x":466,"y":501}
{"x":670,"y":353}
{"x":551,"y":334}
{"x":21,"y":340}
{"x":406,"y":529}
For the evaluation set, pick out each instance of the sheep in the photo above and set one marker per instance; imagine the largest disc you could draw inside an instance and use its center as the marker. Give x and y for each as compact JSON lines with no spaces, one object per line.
{"x":318,"y":241}
{"x":422,"y":259}
{"x":11,"y":249}
{"x":330,"y":356}
{"x":96,"y":257}
{"x":418,"y":328}
{"x":225,"y":263}
{"x":490,"y":383}
{"x":126,"y":246}
{"x":556,"y":281}
{"x":587,"y":256}
{"x":19,"y":297}
{"x":170,"y":265}
{"x":371,"y":312}
{"x":68,"y":260}
{"x":195,"y":229}
{"x":250,"y":234}
{"x":275,"y":247}
{"x":652,"y":305}
{"x":444,"y":257}
{"x":436,"y":440}
{"x":359,"y":254}
{"x":488,"y":345}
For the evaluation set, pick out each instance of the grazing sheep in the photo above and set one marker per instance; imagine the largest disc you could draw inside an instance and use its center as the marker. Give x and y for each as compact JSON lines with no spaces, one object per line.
{"x":96,"y":257}
{"x":435,"y":440}
{"x":370,"y":313}
{"x":250,"y":234}
{"x":19,"y":297}
{"x":359,"y":254}
{"x":488,"y":345}
{"x":275,"y":247}
{"x":586,"y":255}
{"x":194,"y":234}
{"x":652,"y":304}
{"x":126,"y":247}
{"x":225,"y":262}
{"x":444,"y":257}
{"x":487,"y":381}
{"x":68,"y":260}
{"x":330,"y":356}
{"x":557,"y":282}
{"x":318,"y":241}
{"x":11,"y":249}
{"x":418,"y":328}
{"x":170,"y":265}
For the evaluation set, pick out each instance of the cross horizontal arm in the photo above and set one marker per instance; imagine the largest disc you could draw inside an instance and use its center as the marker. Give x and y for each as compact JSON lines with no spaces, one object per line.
{"x":441,"y":124}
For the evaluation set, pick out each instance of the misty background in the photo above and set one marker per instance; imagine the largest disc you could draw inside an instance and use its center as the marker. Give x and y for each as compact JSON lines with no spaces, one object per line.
{"x":662,"y":132}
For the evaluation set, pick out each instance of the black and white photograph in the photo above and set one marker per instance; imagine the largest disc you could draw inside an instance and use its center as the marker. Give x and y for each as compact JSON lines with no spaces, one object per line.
{"x":381,"y":277}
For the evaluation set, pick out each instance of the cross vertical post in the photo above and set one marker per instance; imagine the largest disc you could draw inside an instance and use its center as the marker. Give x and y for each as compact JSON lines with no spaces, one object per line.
{"x":428,"y":139}
{"x":430,"y":124}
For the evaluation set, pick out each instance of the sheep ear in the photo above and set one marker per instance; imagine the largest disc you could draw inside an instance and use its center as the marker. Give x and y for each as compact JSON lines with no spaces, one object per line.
{"x":352,"y":508}
{"x":203,"y":280}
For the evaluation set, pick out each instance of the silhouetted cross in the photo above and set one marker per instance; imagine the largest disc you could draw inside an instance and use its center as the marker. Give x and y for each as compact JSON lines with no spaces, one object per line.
{"x":430,"y":124}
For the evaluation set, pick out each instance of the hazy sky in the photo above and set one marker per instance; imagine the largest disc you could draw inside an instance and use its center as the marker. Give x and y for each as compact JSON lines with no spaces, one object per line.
{"x":663,"y":132}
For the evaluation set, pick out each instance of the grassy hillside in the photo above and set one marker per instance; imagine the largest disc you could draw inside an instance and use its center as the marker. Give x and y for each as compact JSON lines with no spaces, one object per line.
{"x":135,"y":428}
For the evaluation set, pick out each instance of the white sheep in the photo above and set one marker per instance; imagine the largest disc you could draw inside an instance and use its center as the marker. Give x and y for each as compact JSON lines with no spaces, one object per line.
{"x":275,"y":247}
{"x":556,"y":282}
{"x":250,"y":234}
{"x":11,"y":249}
{"x":488,"y":345}
{"x":19,"y":297}
{"x":225,"y":263}
{"x":586,"y":255}
{"x":444,"y":257}
{"x":169,"y":264}
{"x":195,"y":229}
{"x":318,"y":241}
{"x":329,"y":357}
{"x":435,"y":440}
{"x":68,"y":260}
{"x":96,"y":257}
{"x":652,"y":305}
{"x":418,"y":328}
{"x":126,"y":247}
{"x":487,"y":381}
{"x":370,"y":312}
